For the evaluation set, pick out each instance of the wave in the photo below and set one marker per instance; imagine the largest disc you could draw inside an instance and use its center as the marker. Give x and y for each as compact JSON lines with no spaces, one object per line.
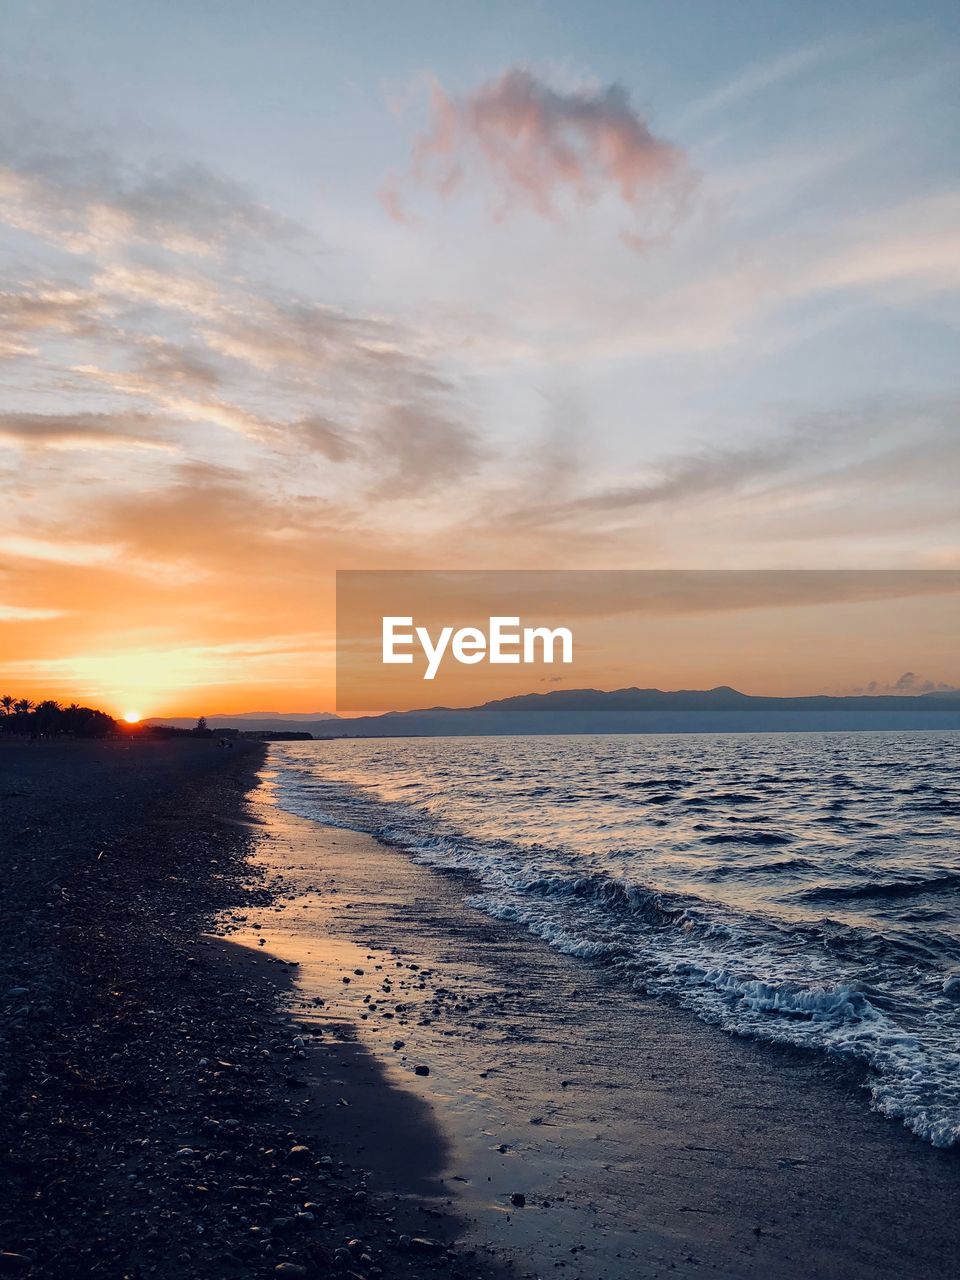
{"x":767,"y":838}
{"x":731,"y":935}
{"x":781,"y":867}
{"x":908,"y":1082}
{"x":656,"y":784}
{"x":881,"y":889}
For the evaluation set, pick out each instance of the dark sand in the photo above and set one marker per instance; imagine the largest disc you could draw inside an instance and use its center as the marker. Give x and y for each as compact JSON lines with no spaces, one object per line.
{"x":160,"y":1114}
{"x":644,"y":1142}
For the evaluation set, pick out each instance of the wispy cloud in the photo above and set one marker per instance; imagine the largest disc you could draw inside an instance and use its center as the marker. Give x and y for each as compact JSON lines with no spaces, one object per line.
{"x":168,"y":353}
{"x":33,"y":309}
{"x":874,"y":474}
{"x":83,"y":431}
{"x":59,"y":551}
{"x":60,"y":184}
{"x":23,"y":613}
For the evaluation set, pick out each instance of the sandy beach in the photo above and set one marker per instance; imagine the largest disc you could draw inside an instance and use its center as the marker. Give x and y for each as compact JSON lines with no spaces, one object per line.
{"x":239,"y":1043}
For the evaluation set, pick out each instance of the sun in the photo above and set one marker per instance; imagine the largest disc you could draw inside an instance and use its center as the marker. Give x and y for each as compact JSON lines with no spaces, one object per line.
{"x":132,"y":717}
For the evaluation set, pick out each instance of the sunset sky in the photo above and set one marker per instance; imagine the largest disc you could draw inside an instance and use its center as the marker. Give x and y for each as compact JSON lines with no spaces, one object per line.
{"x":296,"y":287}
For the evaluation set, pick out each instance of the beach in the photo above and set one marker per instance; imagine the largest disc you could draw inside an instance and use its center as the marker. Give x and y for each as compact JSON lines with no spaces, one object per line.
{"x":237,"y":1042}
{"x":162,"y":1114}
{"x":642,"y":1142}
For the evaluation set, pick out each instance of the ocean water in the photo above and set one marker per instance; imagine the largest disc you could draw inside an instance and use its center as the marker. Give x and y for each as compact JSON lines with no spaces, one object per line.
{"x":800,"y":888}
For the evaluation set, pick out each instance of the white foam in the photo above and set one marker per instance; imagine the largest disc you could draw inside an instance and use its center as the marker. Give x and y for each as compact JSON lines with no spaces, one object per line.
{"x":748,"y":973}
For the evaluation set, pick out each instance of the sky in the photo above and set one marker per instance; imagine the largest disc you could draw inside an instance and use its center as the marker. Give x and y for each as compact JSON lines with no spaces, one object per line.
{"x":299,"y":287}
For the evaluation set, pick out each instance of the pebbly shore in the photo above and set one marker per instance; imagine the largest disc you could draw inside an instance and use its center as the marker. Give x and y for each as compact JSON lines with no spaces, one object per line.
{"x":162,"y":1113}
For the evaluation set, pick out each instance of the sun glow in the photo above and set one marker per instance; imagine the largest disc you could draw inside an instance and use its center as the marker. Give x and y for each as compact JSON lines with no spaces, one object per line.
{"x":132,"y":717}
{"x":176,"y":679}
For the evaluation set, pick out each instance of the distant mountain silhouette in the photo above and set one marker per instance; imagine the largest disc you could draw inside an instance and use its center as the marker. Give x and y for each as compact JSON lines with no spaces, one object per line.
{"x":720,"y":710}
{"x":267,"y":721}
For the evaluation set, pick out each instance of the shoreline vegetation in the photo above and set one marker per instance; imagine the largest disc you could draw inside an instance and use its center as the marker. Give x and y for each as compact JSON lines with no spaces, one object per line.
{"x":47,"y":719}
{"x":19,"y":717}
{"x":155,"y":1112}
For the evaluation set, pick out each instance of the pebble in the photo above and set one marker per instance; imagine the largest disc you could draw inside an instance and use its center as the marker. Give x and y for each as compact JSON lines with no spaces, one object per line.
{"x":423,"y":1244}
{"x":195,"y":1060}
{"x":15,"y":1261}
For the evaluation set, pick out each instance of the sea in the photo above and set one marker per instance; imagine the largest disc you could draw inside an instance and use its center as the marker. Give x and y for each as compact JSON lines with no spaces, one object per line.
{"x":795,"y":888}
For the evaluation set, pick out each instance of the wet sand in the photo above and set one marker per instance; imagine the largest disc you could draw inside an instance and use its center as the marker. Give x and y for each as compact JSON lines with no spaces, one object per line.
{"x":588,"y":1132}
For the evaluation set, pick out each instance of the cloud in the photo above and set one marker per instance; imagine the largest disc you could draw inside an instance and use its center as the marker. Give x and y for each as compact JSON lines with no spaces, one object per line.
{"x":83,"y":431}
{"x":59,"y":551}
{"x":422,"y":449}
{"x":188,"y":210}
{"x":703,"y":472}
{"x":174,"y":289}
{"x":762,"y":75}
{"x":319,"y":435}
{"x":27,"y":312}
{"x":814,"y":490}
{"x":22,"y":613}
{"x":175,"y":363}
{"x":694,"y":478}
{"x":288,"y":373}
{"x":57,"y":183}
{"x":271,"y":332}
{"x":543,"y":148}
{"x":909,"y":684}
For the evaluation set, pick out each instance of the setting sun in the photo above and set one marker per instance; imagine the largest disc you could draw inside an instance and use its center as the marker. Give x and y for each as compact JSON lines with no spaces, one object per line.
{"x":132,"y":717}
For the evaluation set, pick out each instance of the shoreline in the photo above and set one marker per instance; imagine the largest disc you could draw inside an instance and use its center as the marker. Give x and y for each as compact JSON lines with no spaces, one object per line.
{"x":156,"y":1112}
{"x":204,"y":983}
{"x":642,"y":1140}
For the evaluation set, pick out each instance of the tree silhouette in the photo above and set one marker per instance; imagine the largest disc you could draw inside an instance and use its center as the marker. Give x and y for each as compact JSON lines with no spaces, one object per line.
{"x":48,"y":719}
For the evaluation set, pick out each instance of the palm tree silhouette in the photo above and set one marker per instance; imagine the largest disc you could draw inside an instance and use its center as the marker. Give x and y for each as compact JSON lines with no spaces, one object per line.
{"x":49,"y":719}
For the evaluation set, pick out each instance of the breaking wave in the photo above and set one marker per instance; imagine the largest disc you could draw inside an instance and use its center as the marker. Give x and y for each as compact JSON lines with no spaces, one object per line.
{"x":652,"y":856}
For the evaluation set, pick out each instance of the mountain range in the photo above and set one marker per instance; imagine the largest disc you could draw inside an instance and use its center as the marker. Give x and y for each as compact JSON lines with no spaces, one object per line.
{"x":265,"y":721}
{"x":719,"y":710}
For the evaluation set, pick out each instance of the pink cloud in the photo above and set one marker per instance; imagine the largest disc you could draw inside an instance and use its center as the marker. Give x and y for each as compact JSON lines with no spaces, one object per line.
{"x":538,"y":147}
